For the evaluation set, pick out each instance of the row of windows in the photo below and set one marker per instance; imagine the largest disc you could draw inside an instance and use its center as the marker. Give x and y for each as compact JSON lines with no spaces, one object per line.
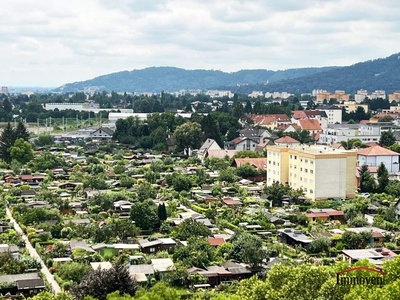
{"x":273,"y":163}
{"x":301,"y":160}
{"x":301,"y":169}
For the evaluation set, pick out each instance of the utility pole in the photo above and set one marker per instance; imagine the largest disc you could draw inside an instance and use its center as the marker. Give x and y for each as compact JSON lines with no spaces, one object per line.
{"x":38,"y":129}
{"x":63,"y":127}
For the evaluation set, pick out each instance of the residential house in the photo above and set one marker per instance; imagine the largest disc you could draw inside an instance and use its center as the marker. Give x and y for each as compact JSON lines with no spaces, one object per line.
{"x":318,"y":115}
{"x":80,"y":245}
{"x":333,"y":113}
{"x":261,"y":147}
{"x":239,"y":271}
{"x":259,"y":164}
{"x":141,"y":273}
{"x":375,"y":155}
{"x":271,"y":121}
{"x":4,"y":226}
{"x":232,"y":202}
{"x":242,"y":144}
{"x":311,"y":125}
{"x":215,"y":274}
{"x":28,"y":194}
{"x":255,"y":133}
{"x":103,"y":133}
{"x":221,"y":153}
{"x":67,"y":186}
{"x":209,"y":144}
{"x":378,"y":234}
{"x":154,"y":246}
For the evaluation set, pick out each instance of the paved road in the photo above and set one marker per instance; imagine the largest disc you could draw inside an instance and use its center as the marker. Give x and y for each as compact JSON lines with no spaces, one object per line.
{"x":33,"y":253}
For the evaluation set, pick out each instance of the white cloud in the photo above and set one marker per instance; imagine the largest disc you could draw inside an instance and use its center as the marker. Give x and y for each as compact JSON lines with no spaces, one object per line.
{"x":45,"y":42}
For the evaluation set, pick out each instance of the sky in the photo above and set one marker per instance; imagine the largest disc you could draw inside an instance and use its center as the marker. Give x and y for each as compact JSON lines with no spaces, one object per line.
{"x":53,"y":42}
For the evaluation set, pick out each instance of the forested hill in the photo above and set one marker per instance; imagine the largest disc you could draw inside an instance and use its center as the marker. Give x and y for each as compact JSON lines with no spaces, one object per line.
{"x":379,"y":74}
{"x":170,"y":79}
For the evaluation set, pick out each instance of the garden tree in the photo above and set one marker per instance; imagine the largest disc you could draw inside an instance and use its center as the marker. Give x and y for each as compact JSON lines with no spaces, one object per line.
{"x":44,"y":140}
{"x":276,"y":191}
{"x":146,"y":191}
{"x":247,"y":248}
{"x":123,"y":229}
{"x":367,"y":181}
{"x":181,"y":182}
{"x":352,"y":240}
{"x":96,"y":182}
{"x":188,"y":136}
{"x":353,"y":143}
{"x":7,"y":106}
{"x":286,"y":282}
{"x":21,"y":132}
{"x":99,"y":283}
{"x":7,"y":139}
{"x":215,"y":163}
{"x":303,"y":136}
{"x":385,"y":119}
{"x":151,"y":177}
{"x":210,"y":127}
{"x":119,"y":168}
{"x":73,"y":271}
{"x":162,"y":212}
{"x":198,"y":253}
{"x":126,"y":181}
{"x":383,"y":178}
{"x":190,"y":228}
{"x":50,"y":296}
{"x":21,"y":151}
{"x":228,"y":175}
{"x":9,"y":265}
{"x":160,"y":291}
{"x":46,"y":161}
{"x":202,"y":177}
{"x":321,"y":244}
{"x":387,"y":139}
{"x":144,"y":214}
{"x":246,"y":170}
{"x":246,"y":154}
{"x":395,"y":147}
{"x":358,"y":221}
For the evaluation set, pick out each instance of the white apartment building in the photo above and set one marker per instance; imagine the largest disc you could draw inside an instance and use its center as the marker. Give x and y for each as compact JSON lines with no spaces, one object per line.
{"x":321,"y":172}
{"x":360,"y":96}
{"x":336,"y":133}
{"x":256,"y":94}
{"x":277,"y":95}
{"x":73,"y":106}
{"x":334,"y":114}
{"x":219,"y":94}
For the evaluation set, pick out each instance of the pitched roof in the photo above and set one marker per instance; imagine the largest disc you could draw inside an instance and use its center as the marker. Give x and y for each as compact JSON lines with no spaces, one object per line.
{"x":287,"y":140}
{"x":221,"y":153}
{"x":215,"y":241}
{"x":270,"y":119}
{"x":105,"y":130}
{"x":376,"y":151}
{"x":310,"y":124}
{"x":207,"y":144}
{"x":259,"y":163}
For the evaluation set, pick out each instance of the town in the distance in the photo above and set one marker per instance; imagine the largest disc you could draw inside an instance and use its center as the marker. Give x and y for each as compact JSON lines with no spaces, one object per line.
{"x":199,"y":194}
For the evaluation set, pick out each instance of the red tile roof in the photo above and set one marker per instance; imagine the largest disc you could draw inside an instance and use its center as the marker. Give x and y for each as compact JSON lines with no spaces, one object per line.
{"x":310,"y":124}
{"x":287,"y":140}
{"x":259,"y":163}
{"x":265,"y":120}
{"x":215,"y":241}
{"x":230,"y":202}
{"x":376,"y":151}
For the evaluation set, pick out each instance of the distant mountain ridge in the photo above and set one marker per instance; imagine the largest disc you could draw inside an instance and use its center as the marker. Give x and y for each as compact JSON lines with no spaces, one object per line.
{"x":170,"y":79}
{"x":378,"y":74}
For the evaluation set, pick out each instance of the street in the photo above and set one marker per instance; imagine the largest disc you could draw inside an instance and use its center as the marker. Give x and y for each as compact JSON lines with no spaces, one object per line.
{"x":33,"y":253}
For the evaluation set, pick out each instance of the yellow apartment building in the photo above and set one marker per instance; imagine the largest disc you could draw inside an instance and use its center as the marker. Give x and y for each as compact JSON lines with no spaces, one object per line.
{"x":322,"y":172}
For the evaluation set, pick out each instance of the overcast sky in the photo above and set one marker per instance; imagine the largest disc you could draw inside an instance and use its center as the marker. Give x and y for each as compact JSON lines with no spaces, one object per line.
{"x":52,"y":42}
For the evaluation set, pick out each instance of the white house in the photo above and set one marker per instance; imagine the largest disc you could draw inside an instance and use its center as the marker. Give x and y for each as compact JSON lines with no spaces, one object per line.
{"x":209,"y":144}
{"x":375,"y":155}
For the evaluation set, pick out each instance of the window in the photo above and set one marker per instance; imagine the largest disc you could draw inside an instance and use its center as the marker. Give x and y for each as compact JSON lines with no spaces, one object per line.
{"x":291,"y":174}
{"x":311,"y":181}
{"x":291,"y":156}
{"x":301,"y":178}
{"x":306,"y":161}
{"x":312,"y":171}
{"x":311,"y":162}
{"x":269,"y":162}
{"x":152,"y":249}
{"x":295,"y":157}
{"x":305,"y":190}
{"x":311,"y":191}
{"x":305,"y":179}
{"x":301,"y":169}
{"x":306,"y":170}
{"x":301,"y":160}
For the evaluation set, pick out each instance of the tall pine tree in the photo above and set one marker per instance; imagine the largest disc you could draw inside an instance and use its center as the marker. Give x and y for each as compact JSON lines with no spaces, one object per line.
{"x":21,"y":132}
{"x":367,"y":181}
{"x":383,"y":177}
{"x":7,"y":140}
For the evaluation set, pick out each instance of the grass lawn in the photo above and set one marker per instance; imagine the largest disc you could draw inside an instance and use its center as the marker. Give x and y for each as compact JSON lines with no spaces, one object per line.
{"x":107,"y":252}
